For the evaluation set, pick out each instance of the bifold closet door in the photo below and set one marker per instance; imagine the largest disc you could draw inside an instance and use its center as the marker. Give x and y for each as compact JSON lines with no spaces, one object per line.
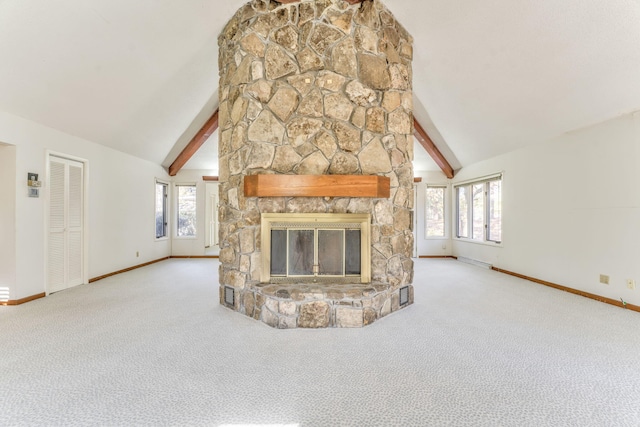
{"x":66,"y":218}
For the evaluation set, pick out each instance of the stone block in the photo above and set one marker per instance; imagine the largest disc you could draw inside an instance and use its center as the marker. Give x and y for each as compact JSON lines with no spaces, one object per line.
{"x":343,"y":164}
{"x":343,"y":59}
{"x":391,"y":100}
{"x":233,"y":278}
{"x":358,"y":117}
{"x":266,"y":128}
{"x":288,"y":308}
{"x":260,"y":90}
{"x":302,"y":129}
{"x":330,"y":81}
{"x":249,"y":303}
{"x":337,"y":106}
{"x":314,"y":315}
{"x":309,"y":60}
{"x":400,"y":122}
{"x":284,"y":102}
{"x":278,"y":64}
{"x":374,"y":159}
{"x":402,"y":219}
{"x":261,"y":156}
{"x":286,"y":37}
{"x":395,"y":301}
{"x":311,"y":104}
{"x":322,"y":36}
{"x":303,"y":82}
{"x":245,"y":264}
{"x":272,"y":304}
{"x":375,"y":122}
{"x":348,"y":137}
{"x":285,"y":159}
{"x":347,"y":317}
{"x":252,"y":44}
{"x":315,"y":164}
{"x":359,"y":94}
{"x":373,"y":71}
{"x":369,"y":317}
{"x":287,"y":322}
{"x":270,"y":318}
{"x":386,"y":308}
{"x":341,"y":20}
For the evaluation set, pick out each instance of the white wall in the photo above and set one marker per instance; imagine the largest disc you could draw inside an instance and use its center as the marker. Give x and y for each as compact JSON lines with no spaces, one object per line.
{"x":431,"y":246}
{"x":7,"y":221}
{"x":571,"y":209}
{"x":120,"y":204}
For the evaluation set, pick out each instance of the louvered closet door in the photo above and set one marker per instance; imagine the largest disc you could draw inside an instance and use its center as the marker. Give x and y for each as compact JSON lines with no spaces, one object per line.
{"x":65,"y":223}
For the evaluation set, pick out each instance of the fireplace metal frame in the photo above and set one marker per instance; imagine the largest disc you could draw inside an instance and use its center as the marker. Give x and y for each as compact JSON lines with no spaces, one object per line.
{"x":316,"y":220}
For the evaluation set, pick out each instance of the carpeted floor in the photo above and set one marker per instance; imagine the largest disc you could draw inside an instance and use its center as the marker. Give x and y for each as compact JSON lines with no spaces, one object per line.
{"x":478,"y":348}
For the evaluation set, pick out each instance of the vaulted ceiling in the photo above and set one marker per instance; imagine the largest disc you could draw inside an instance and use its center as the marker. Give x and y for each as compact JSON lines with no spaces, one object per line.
{"x":490,"y":76}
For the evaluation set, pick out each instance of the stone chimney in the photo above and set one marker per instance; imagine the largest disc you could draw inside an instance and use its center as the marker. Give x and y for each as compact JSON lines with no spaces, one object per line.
{"x":312,"y":88}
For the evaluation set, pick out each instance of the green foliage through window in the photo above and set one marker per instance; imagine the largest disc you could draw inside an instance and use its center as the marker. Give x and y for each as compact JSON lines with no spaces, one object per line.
{"x":186,"y":210}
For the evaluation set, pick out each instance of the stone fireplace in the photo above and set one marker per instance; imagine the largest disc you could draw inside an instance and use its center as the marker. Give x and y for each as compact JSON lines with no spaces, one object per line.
{"x":316,"y":179}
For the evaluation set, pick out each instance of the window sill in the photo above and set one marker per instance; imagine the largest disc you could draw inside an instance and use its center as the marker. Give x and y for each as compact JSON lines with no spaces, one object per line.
{"x":478,"y":242}
{"x":162,"y":239}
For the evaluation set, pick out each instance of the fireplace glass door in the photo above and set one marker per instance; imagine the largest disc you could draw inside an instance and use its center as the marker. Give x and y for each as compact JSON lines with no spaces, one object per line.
{"x":318,"y":247}
{"x":315,"y":252}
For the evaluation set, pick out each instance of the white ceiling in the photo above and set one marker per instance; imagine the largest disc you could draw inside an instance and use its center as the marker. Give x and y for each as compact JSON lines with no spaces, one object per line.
{"x":490,"y":76}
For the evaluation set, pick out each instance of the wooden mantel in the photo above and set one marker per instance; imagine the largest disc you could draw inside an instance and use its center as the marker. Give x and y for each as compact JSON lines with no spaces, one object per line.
{"x":317,"y":186}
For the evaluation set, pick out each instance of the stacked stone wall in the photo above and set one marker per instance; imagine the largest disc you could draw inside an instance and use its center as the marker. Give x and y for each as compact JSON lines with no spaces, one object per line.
{"x":309,"y":88}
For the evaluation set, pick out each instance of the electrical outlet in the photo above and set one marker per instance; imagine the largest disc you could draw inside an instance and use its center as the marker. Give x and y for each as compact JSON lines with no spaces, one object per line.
{"x":631,"y":284}
{"x":604,"y":279}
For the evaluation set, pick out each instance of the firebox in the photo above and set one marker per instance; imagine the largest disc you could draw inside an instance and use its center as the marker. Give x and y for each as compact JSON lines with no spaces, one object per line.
{"x":310,"y":248}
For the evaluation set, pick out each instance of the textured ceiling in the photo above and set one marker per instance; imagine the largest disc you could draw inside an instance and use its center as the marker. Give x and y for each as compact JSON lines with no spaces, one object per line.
{"x":490,"y":76}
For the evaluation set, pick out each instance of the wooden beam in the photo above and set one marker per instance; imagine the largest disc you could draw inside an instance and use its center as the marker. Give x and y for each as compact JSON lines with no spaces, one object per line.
{"x":417,"y":179}
{"x":431,"y":148}
{"x":210,"y":178}
{"x":196,"y":142}
{"x":317,"y":186}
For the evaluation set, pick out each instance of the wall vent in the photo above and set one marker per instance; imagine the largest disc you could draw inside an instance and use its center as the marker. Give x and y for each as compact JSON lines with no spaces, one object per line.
{"x":404,"y":295}
{"x":229,"y":296}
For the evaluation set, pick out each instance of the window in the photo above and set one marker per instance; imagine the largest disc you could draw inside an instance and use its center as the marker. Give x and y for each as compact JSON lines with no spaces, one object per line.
{"x":435,"y":212}
{"x":479,"y":210}
{"x":162,"y":190}
{"x":463,"y":211}
{"x":186,"y":226}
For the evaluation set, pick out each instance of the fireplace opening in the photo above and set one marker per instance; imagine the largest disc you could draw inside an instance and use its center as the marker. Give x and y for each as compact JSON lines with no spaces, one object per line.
{"x":316,"y":247}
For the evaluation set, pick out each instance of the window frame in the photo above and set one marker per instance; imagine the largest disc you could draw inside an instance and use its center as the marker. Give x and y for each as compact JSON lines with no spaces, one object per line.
{"x":177,"y":210}
{"x":165,"y":209}
{"x":485,"y":211}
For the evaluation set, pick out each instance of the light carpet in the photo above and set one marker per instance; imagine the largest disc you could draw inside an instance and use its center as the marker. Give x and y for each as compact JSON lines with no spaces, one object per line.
{"x":478,"y":348}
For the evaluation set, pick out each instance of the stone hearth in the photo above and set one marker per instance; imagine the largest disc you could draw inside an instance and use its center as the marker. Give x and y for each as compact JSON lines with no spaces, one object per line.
{"x":314,"y":88}
{"x":303,"y":305}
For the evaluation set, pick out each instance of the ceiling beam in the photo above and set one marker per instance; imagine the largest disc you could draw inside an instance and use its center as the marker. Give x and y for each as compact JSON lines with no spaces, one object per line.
{"x":431,"y":148}
{"x":196,"y":142}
